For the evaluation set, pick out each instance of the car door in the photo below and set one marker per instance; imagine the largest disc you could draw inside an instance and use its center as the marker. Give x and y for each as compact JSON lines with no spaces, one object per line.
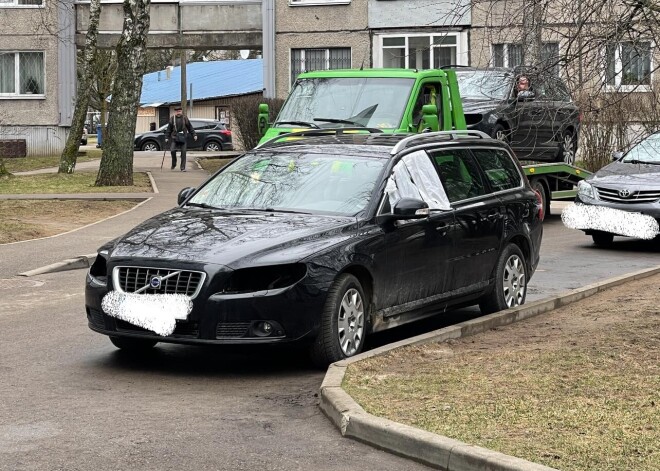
{"x":201,"y":129}
{"x":478,"y":228}
{"x":564,"y":113}
{"x":531,"y":118}
{"x":410,"y":257}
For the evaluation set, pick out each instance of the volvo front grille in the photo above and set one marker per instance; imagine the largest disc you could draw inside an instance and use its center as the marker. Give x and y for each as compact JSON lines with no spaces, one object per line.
{"x":145,"y":280}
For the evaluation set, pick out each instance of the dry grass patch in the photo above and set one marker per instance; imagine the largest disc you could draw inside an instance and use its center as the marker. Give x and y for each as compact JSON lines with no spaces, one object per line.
{"x":213,"y":165}
{"x":29,"y":219}
{"x":79,"y":182}
{"x":575,"y":389}
{"x":25,"y":164}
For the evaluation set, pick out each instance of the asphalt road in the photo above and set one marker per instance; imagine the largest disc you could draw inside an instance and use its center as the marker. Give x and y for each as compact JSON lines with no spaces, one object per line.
{"x":71,"y":401}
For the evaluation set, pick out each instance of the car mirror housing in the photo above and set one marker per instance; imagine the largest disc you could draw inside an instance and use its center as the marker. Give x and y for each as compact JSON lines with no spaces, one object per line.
{"x":184,"y":194}
{"x":616,"y":155}
{"x":525,"y":95}
{"x":406,"y":208}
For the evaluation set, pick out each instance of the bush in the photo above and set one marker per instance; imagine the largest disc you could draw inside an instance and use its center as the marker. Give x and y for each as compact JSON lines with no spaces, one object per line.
{"x":245,"y":111}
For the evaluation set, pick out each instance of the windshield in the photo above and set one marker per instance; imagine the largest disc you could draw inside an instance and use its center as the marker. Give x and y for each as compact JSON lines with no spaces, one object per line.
{"x":370,"y":102}
{"x":646,"y":151}
{"x":294,"y":182}
{"x":483,"y":85}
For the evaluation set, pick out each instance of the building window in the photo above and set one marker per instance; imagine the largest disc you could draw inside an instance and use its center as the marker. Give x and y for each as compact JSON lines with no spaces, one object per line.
{"x":297,"y":3}
{"x":306,"y":60}
{"x":20,"y":3}
{"x":628,"y":64}
{"x":512,"y":55}
{"x":421,"y":51}
{"x":21,"y":73}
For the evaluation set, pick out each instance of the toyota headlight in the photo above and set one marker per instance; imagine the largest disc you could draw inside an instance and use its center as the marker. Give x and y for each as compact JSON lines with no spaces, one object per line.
{"x":586,"y":189}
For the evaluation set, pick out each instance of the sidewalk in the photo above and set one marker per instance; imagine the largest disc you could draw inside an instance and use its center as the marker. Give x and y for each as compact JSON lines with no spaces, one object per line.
{"x":19,"y":257}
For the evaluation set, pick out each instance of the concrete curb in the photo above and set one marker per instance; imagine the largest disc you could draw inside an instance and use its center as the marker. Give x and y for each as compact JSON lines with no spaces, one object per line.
{"x":428,"y":448}
{"x":83,"y":261}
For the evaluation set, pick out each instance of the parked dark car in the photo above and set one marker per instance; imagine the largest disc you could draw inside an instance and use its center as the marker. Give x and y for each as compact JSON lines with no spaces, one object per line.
{"x":540,"y":124}
{"x":324,"y":239}
{"x":622,"y":198}
{"x":212,"y":136}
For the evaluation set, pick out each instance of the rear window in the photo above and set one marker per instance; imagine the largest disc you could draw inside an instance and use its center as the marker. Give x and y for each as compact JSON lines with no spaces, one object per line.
{"x":500,"y":169}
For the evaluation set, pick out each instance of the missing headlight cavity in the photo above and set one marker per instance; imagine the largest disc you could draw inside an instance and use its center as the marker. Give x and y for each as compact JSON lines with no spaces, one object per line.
{"x":262,"y":278}
{"x":99,"y":267}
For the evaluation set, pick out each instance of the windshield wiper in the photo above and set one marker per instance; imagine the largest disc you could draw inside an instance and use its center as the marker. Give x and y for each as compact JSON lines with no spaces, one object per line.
{"x":298,"y":123}
{"x":637,"y":161}
{"x":340,"y":121}
{"x":273,"y":210}
{"x":204,"y":206}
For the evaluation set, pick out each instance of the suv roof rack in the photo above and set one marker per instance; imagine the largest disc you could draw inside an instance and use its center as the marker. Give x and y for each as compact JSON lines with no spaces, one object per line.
{"x":326,"y":132}
{"x":417,"y":139}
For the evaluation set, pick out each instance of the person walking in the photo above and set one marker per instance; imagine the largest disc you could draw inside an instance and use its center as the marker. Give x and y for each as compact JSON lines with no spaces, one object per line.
{"x":177,"y":131}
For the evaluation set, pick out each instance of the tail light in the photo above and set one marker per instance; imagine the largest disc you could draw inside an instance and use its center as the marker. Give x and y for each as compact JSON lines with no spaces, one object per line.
{"x":226,"y":132}
{"x":539,"y":200}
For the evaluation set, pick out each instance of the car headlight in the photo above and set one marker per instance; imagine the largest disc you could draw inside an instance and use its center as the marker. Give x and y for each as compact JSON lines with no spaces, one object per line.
{"x":586,"y":189}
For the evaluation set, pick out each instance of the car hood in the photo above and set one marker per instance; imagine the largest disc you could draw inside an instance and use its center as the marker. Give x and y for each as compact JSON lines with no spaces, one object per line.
{"x":233,"y":239}
{"x":479,"y":106}
{"x":620,"y":173}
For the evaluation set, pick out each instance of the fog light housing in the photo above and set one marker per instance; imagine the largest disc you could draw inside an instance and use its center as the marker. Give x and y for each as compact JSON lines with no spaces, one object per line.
{"x":266,"y":329}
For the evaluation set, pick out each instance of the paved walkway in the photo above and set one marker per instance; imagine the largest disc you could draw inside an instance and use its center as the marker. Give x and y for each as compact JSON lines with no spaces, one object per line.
{"x":20,"y":257}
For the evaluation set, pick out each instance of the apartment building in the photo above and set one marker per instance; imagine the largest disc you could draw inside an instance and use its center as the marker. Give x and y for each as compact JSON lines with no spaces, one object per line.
{"x":37,"y":75}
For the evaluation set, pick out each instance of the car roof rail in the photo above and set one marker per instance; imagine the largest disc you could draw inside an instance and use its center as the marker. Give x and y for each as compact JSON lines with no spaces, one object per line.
{"x":325,"y":132}
{"x":429,"y":137}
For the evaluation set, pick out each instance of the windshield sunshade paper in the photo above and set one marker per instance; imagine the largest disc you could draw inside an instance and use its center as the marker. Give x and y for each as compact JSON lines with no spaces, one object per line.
{"x":415,"y":177}
{"x":155,"y":312}
{"x":615,"y":221}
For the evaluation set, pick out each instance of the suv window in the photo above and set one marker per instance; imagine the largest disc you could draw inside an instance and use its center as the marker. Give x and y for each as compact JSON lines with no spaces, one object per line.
{"x":557,"y":91}
{"x":459,"y":174}
{"x":501,"y":171}
{"x":202,"y":124}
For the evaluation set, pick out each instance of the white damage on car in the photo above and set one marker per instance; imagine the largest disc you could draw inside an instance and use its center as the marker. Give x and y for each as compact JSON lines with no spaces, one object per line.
{"x":614,"y":221}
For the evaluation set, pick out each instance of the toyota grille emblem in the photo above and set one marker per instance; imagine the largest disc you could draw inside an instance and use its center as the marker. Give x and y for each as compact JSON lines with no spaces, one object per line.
{"x":155,"y":282}
{"x":625,"y":193}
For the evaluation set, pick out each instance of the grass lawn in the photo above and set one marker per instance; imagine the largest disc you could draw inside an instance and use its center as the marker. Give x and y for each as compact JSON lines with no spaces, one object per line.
{"x":28,"y":219}
{"x":212,"y":165}
{"x":577,"y":389}
{"x":25,"y":164}
{"x":79,"y":182}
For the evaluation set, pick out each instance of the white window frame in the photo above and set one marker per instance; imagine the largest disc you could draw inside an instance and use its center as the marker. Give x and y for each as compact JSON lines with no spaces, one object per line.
{"x":14,"y":4}
{"x":17,"y":79}
{"x":327,"y":57}
{"x":505,"y":51}
{"x":461,"y":46}
{"x":618,"y":69}
{"x":317,"y":3}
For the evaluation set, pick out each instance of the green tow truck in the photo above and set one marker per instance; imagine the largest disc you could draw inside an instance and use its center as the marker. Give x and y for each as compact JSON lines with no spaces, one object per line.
{"x":394,"y":101}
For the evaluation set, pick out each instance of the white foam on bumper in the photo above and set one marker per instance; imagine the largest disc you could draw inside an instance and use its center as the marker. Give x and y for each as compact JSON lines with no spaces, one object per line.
{"x":614,"y":221}
{"x":155,"y":312}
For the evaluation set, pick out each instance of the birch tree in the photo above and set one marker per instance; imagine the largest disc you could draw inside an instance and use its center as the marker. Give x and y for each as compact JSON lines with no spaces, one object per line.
{"x":85,"y":77}
{"x":116,"y":166}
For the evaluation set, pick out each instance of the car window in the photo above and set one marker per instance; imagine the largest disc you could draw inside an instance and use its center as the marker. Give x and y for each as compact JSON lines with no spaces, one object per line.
{"x":501,"y":171}
{"x":459,"y":174}
{"x":414,"y":177}
{"x":481,"y":84}
{"x":646,"y":151}
{"x":197,"y":125}
{"x":558,"y":91}
{"x":294,"y":181}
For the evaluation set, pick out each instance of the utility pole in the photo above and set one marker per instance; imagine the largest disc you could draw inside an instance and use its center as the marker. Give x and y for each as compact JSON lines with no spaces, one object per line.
{"x":184,"y":85}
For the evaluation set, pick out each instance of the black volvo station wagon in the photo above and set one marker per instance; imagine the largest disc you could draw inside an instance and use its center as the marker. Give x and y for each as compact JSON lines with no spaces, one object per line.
{"x":323,"y":237}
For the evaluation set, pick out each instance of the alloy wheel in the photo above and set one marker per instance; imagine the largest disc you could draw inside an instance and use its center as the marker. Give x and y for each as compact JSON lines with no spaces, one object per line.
{"x":213,"y":147}
{"x":514,"y":281}
{"x":350,"y":325}
{"x":568,"y":149}
{"x":150,"y":147}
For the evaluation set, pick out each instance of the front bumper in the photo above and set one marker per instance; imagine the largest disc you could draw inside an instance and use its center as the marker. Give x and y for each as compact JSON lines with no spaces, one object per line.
{"x":294,"y":312}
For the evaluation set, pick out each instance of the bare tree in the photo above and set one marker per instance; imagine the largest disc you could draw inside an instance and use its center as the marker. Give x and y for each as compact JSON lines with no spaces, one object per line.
{"x":105,"y":68}
{"x":116,"y":166}
{"x":85,"y":77}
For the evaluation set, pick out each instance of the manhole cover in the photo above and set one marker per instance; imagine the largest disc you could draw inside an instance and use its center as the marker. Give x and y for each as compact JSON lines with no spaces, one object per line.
{"x":12,"y":283}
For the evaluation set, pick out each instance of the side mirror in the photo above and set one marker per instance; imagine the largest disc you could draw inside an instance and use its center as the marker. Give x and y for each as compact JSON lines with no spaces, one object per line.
{"x":616,"y":155}
{"x":405,"y":208}
{"x":184,"y":194}
{"x":262,"y":119}
{"x":525,"y":95}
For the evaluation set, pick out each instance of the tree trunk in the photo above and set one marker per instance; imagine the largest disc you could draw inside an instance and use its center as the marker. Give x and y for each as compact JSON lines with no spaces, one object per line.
{"x":116,"y":168}
{"x":70,"y":152}
{"x":531,"y":34}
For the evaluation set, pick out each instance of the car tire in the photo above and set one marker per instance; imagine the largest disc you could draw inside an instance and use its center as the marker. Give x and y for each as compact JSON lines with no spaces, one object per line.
{"x":500,"y":133}
{"x":602,"y":239}
{"x":343,"y":322}
{"x":567,"y":148}
{"x":133,"y":345}
{"x":150,"y":146}
{"x":510,"y":288}
{"x":213,"y":146}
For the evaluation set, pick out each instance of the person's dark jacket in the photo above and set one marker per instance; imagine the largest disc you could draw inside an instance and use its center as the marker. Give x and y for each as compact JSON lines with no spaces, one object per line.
{"x":179,"y":124}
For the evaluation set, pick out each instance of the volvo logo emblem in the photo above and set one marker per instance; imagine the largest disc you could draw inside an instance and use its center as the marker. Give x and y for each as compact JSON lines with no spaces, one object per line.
{"x":155,"y":282}
{"x":625,"y":193}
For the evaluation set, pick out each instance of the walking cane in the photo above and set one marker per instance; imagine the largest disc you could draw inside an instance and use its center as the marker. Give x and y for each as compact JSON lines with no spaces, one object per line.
{"x":163,"y":161}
